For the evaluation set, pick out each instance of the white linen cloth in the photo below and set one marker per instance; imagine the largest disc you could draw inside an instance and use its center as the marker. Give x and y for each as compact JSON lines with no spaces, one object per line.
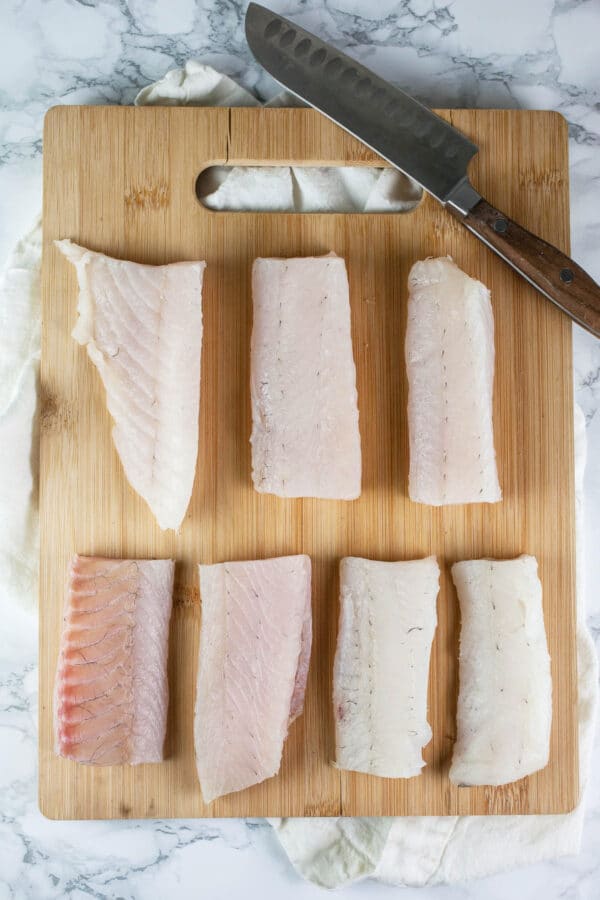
{"x":336,"y":851}
{"x":303,"y":189}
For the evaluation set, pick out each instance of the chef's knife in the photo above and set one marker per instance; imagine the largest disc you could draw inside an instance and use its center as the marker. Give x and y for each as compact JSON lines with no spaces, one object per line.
{"x":419,"y":143}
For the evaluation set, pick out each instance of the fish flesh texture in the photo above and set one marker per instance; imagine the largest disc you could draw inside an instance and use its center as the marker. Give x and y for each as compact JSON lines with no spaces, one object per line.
{"x":142,"y":326}
{"x":255,"y":647}
{"x":450,"y":365}
{"x":505,"y":698}
{"x":254,"y":656}
{"x":305,"y":437}
{"x":111,"y":695}
{"x":381,"y":670}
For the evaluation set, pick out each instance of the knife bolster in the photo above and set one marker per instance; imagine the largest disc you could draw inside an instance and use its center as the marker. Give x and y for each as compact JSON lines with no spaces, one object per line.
{"x":462,"y":198}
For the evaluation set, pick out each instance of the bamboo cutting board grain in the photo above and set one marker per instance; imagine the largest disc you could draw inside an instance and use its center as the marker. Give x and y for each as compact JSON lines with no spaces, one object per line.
{"x":121,"y":180}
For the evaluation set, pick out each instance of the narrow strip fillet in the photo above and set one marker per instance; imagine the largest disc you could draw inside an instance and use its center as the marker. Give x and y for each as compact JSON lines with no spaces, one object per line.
{"x":111,"y":694}
{"x":450,"y":365}
{"x":505,"y":699}
{"x":305,"y":437}
{"x":142,"y":326}
{"x":381,"y":670}
{"x":254,"y":656}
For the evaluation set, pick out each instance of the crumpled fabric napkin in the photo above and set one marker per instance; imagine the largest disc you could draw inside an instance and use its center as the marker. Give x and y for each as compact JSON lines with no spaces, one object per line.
{"x":280,"y":188}
{"x":19,"y":356}
{"x":329,"y":852}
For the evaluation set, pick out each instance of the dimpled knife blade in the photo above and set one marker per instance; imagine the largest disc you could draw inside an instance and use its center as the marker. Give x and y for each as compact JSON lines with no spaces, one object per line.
{"x":382,"y":116}
{"x":419,"y":143}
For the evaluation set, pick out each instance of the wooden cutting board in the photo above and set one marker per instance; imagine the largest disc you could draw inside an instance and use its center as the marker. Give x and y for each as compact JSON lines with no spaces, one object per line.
{"x":121,"y":180}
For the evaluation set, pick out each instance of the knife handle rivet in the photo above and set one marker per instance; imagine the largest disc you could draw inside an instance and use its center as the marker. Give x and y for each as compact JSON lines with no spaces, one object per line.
{"x":566,"y":276}
{"x":500,"y":225}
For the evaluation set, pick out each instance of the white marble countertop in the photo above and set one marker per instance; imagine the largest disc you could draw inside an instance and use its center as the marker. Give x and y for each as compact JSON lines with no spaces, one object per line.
{"x":531,"y":53}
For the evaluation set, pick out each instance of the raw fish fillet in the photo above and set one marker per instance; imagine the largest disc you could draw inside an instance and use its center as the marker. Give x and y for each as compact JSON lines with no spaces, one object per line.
{"x":505,"y":698}
{"x":450,"y":364}
{"x":111,"y":695}
{"x":381,"y":670}
{"x":142,"y":326}
{"x":254,"y":655}
{"x":305,"y":437}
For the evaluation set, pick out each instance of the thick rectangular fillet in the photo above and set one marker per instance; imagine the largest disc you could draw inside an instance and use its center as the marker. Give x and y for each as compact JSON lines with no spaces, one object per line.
{"x":505,"y":699}
{"x":450,"y":366}
{"x":381,"y":672}
{"x":111,"y":693}
{"x":254,"y":655}
{"x":305,"y":437}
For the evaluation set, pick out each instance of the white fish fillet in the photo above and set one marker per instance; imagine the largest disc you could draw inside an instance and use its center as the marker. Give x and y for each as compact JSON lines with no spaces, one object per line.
{"x":111,"y":694}
{"x":505,"y":699}
{"x":381,"y":670}
{"x":142,"y":326}
{"x":305,"y":437}
{"x":254,"y":655}
{"x":450,"y":365}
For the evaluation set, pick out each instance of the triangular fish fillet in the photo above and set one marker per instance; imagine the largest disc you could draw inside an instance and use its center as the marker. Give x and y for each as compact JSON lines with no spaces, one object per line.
{"x":254,"y":655}
{"x":305,"y":437}
{"x":142,"y":326}
{"x":505,"y":698}
{"x":381,"y":671}
{"x":450,"y":365}
{"x":111,"y":695}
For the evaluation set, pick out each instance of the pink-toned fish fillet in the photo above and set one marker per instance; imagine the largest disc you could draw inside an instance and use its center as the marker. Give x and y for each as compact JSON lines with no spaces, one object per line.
{"x":254,"y":656}
{"x":450,"y":366}
{"x":111,"y":695}
{"x":305,"y":437}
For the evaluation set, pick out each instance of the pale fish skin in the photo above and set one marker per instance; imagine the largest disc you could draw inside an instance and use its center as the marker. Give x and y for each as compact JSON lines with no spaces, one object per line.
{"x":504,"y":711}
{"x":450,"y":366}
{"x":381,"y":672}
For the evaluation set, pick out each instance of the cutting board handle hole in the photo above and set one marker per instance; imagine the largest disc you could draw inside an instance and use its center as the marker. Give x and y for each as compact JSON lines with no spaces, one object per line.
{"x":307,"y":189}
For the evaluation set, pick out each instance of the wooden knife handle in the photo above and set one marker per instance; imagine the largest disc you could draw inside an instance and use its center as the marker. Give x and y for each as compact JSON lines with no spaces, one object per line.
{"x":550,"y":271}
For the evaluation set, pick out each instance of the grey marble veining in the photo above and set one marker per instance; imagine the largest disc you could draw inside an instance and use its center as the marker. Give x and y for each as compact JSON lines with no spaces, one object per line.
{"x":530,"y":53}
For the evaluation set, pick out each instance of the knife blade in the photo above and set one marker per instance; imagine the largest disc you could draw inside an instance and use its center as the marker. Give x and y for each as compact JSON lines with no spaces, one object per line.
{"x":419,"y":143}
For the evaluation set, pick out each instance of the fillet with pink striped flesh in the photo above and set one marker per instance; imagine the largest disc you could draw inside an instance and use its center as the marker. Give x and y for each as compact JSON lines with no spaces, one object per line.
{"x":111,"y":695}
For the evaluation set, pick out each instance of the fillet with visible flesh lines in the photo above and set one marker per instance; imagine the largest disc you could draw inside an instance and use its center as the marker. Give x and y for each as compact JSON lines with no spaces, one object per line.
{"x":254,"y":655}
{"x":142,"y":326}
{"x":111,"y":696}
